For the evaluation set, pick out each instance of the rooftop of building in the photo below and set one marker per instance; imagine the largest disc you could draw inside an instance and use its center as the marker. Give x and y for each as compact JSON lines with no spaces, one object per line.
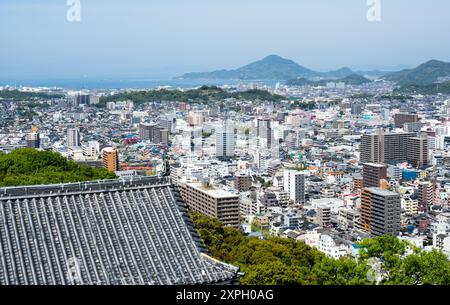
{"x":375,"y":165}
{"x":211,"y":191}
{"x":381,"y":192}
{"x":92,"y":221}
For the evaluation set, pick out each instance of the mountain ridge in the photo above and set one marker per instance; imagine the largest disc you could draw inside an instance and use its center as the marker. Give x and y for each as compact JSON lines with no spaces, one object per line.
{"x":424,"y":74}
{"x":272,"y":67}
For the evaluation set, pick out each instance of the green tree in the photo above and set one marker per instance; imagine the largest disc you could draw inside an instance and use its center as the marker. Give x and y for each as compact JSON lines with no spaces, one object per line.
{"x":31,"y":167}
{"x":279,"y":261}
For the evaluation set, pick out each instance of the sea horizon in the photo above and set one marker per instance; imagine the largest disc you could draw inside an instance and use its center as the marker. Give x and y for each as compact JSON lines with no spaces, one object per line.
{"x":127,"y":83}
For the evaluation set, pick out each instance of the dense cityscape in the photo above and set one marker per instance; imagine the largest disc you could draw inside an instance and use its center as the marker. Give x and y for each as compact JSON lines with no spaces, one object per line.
{"x":327,"y":165}
{"x":214,"y":152}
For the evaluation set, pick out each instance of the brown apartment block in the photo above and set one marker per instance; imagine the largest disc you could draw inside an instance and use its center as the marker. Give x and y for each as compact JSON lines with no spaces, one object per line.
{"x":373,"y":173}
{"x":111,"y":159}
{"x":211,"y":202}
{"x":387,"y":147}
{"x":358,"y":182}
{"x":243,"y":183}
{"x":154,"y":133}
{"x":417,"y":151}
{"x":380,"y":212}
{"x":401,"y":118}
{"x":425,"y":195}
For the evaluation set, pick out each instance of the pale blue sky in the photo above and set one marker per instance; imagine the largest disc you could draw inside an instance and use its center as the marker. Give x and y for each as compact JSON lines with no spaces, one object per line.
{"x":152,"y":37}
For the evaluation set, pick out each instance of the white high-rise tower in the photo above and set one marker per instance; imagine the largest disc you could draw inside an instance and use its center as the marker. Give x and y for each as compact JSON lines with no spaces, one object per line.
{"x":73,"y":138}
{"x":294,"y":184}
{"x":225,"y":142}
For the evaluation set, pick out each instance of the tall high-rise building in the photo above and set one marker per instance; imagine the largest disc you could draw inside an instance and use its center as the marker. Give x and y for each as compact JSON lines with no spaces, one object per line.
{"x":371,"y":148}
{"x":154,"y":133}
{"x":145,"y":131}
{"x":225,"y":142}
{"x":33,"y":140}
{"x":358,"y":182}
{"x":294,"y":185}
{"x":380,"y":212}
{"x":357,"y":108}
{"x":81,"y":99}
{"x":168,"y":122}
{"x":425,"y":195}
{"x":373,"y":173}
{"x":417,"y":151}
{"x":164,"y":136}
{"x":395,"y":148}
{"x":401,"y":118}
{"x":264,"y":131}
{"x":111,"y":159}
{"x":385,"y":147}
{"x":73,"y":138}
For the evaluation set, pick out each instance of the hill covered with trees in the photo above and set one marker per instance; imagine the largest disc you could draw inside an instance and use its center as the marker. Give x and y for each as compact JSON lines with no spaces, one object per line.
{"x":425,"y":74}
{"x":278,"y":261}
{"x":431,"y":89}
{"x":203,"y":94}
{"x":17,"y":95}
{"x":31,"y":167}
{"x":353,"y":79}
{"x":272,"y":67}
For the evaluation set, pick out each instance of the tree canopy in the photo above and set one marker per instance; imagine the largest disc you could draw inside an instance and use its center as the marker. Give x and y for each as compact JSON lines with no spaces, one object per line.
{"x":280,"y":261}
{"x":31,"y":167}
{"x":201,"y":95}
{"x":17,"y":95}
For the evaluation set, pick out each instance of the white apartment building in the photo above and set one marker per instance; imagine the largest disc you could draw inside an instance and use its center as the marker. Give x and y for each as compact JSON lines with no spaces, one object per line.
{"x":225,"y":142}
{"x":409,"y":206}
{"x":327,"y":245}
{"x":294,"y":184}
{"x":73,"y":138}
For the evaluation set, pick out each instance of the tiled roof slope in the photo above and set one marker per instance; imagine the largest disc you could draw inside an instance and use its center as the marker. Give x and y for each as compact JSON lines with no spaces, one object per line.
{"x":106,"y":232}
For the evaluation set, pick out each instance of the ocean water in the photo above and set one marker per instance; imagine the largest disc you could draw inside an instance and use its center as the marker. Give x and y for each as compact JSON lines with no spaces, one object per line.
{"x":125,"y":83}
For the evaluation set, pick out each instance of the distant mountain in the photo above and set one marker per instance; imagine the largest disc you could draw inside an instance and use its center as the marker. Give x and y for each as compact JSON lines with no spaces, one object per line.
{"x":353,"y":79}
{"x":425,"y":74}
{"x":272,"y":67}
{"x":381,"y":68}
{"x":341,"y":73}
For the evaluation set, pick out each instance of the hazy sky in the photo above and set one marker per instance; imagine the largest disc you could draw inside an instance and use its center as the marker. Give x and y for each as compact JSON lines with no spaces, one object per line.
{"x":152,"y":37}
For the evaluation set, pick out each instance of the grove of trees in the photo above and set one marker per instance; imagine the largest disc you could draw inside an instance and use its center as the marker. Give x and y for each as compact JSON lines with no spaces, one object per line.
{"x":280,"y":261}
{"x":201,"y":95}
{"x":17,"y":95}
{"x":30,"y":167}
